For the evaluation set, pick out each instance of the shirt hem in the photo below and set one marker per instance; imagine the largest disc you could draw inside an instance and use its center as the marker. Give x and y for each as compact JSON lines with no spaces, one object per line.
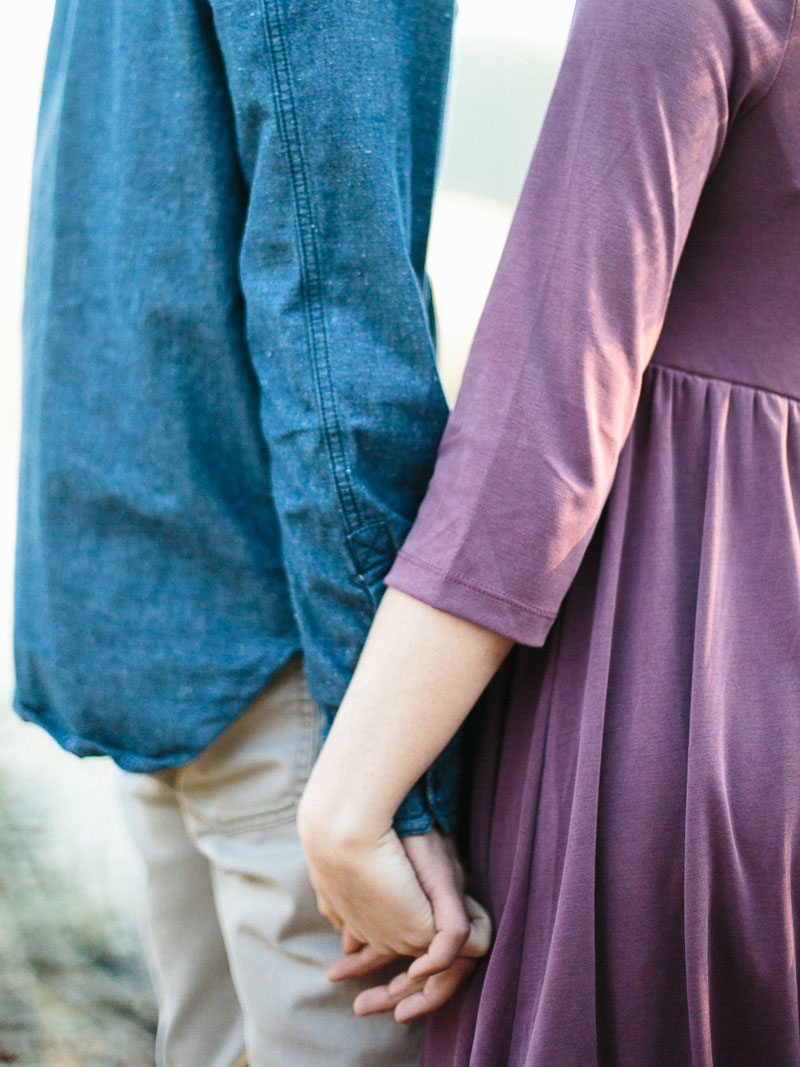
{"x":136,"y":761}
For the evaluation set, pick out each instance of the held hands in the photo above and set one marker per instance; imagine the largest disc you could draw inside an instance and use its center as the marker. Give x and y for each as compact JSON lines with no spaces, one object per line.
{"x":420,"y":672}
{"x":432,"y":978}
{"x":392,"y":898}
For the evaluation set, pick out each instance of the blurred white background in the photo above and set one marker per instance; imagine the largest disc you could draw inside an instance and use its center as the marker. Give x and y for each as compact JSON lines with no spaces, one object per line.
{"x":506,"y":57}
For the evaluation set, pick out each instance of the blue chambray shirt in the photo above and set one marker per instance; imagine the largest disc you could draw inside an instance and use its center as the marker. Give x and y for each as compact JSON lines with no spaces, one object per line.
{"x":231,"y":408}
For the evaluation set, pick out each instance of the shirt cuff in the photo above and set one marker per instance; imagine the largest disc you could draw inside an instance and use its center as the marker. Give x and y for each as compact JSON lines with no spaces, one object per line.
{"x":436,"y":798}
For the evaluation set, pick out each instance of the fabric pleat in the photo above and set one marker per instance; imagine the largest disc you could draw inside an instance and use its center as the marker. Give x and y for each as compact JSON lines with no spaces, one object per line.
{"x":636,"y":800}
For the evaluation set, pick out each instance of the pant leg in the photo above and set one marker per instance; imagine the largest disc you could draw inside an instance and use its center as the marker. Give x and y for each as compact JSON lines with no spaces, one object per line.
{"x":200,"y":1021}
{"x":240,"y":798}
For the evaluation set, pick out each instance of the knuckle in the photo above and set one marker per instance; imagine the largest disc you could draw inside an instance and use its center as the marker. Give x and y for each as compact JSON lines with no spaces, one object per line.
{"x":461,"y":931}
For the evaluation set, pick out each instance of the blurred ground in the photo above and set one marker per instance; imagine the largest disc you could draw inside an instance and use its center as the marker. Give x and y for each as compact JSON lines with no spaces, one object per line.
{"x":73,"y":992}
{"x":73,"y":989}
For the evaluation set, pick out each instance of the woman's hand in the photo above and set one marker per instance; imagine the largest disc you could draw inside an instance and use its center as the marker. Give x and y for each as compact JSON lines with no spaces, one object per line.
{"x":420,"y":672}
{"x":391,"y":898}
{"x":433,"y":977}
{"x":364,"y":880}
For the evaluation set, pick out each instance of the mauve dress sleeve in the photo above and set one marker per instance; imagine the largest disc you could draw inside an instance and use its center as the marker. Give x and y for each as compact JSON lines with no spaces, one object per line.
{"x":643,"y":104}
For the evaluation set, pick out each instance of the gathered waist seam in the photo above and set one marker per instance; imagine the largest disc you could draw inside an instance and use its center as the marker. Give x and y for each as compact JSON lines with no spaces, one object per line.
{"x":725,"y":381}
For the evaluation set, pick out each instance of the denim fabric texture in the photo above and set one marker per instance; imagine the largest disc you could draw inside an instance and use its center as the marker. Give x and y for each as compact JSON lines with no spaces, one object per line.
{"x":231,"y":408}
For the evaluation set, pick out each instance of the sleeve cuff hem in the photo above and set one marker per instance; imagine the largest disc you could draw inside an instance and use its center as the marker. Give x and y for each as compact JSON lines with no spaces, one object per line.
{"x":458,"y":596}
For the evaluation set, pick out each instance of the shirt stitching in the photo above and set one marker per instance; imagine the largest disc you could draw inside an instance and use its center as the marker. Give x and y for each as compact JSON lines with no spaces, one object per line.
{"x":309,"y":256}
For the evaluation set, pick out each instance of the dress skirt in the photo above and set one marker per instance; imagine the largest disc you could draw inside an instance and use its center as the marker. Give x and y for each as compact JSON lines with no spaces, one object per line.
{"x":636,"y":803}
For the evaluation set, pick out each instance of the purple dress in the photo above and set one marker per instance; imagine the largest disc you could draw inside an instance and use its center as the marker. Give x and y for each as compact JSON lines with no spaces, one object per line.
{"x":618,"y":489}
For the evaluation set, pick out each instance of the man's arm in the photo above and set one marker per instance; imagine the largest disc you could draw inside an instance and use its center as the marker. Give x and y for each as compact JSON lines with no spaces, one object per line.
{"x":338,"y":113}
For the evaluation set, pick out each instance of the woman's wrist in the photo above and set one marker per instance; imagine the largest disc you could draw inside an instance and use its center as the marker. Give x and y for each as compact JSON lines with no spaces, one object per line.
{"x":419,"y":674}
{"x":332,"y":817}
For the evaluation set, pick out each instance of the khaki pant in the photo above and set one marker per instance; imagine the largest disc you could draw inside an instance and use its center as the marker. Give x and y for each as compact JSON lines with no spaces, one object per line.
{"x":236,"y":947}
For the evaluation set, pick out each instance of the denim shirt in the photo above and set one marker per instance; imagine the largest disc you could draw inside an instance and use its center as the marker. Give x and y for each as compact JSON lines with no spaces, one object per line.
{"x":231,"y":408}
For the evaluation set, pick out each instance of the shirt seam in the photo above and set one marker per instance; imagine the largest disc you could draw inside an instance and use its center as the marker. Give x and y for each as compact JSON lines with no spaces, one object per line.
{"x":724,"y":381}
{"x":469,"y":584}
{"x":352,"y":514}
{"x":311,"y":275}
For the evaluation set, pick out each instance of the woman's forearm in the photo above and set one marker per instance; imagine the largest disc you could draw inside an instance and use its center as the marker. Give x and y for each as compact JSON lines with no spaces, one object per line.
{"x":419,"y":674}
